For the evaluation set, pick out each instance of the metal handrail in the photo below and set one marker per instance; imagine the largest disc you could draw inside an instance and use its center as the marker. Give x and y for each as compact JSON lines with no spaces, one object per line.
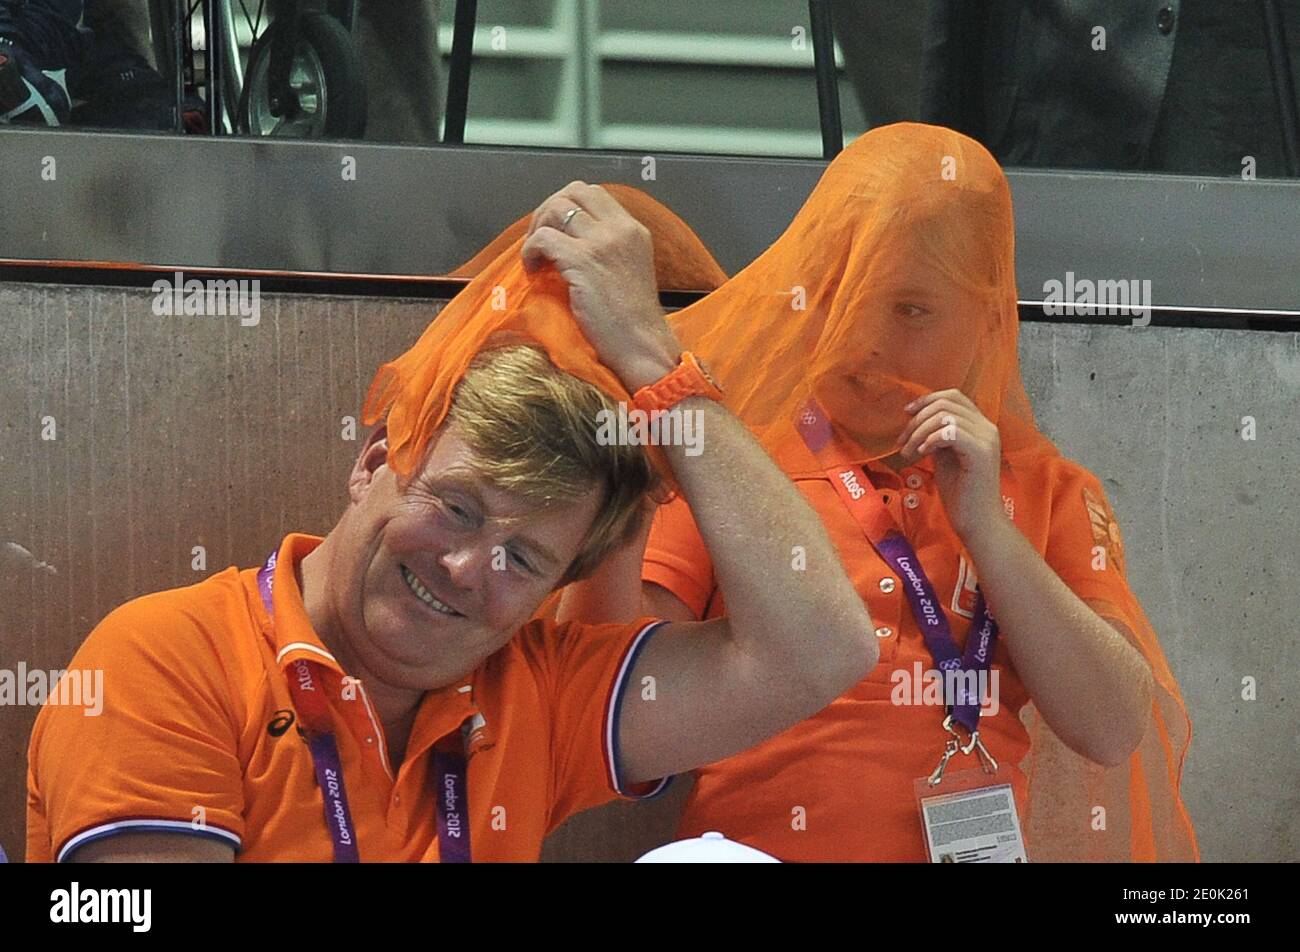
{"x":828,"y":87}
{"x":462,"y":54}
{"x":1279,"y":62}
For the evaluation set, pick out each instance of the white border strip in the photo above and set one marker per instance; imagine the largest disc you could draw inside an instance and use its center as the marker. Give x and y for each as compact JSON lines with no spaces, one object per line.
{"x":126,"y":826}
{"x":295,"y":645}
{"x":1104,"y":310}
{"x":615,"y":696}
{"x":379,"y":731}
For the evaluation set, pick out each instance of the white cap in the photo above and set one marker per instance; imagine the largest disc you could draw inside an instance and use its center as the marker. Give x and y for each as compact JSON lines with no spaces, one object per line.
{"x":712,"y":847}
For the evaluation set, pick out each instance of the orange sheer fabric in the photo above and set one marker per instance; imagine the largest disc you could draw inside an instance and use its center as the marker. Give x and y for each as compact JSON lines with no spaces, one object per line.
{"x":682,"y":263}
{"x":503,"y":304}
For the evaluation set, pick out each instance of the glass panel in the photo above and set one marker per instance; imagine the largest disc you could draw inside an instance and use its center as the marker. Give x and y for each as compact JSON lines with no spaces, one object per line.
{"x":1179,"y":86}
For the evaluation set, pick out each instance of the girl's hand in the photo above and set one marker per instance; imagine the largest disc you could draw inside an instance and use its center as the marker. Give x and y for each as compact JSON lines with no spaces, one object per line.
{"x":967,"y":457}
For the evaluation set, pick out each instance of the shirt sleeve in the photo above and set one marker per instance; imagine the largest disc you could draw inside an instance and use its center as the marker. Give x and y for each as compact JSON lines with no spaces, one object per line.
{"x":584,"y":672}
{"x":1084,"y":544}
{"x":676,"y":557}
{"x":155,"y":750}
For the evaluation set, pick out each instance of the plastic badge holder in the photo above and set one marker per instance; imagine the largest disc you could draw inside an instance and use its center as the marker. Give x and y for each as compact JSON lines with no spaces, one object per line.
{"x":1007,"y":846}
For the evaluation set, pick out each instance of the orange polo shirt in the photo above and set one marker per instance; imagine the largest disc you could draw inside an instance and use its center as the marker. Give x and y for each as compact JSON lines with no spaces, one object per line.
{"x":838,"y":786}
{"x":195,"y":734}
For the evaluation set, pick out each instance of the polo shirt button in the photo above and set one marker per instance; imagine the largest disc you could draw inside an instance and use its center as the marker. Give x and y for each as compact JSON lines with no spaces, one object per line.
{"x":1165,"y":20}
{"x":911,"y":500}
{"x":914,"y":481}
{"x":370,"y":740}
{"x":397,"y":798}
{"x":886,"y":584}
{"x":884,"y":631}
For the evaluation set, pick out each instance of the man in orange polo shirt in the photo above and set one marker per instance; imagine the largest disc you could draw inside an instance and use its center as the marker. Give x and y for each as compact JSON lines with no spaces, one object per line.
{"x":380,"y":694}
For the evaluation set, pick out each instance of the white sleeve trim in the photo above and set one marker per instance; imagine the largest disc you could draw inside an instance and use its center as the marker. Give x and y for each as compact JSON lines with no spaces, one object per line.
{"x":612,"y":712}
{"x":143,"y":826}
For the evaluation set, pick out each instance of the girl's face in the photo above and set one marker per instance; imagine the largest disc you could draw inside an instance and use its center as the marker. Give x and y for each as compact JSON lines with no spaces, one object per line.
{"x":915,"y":336}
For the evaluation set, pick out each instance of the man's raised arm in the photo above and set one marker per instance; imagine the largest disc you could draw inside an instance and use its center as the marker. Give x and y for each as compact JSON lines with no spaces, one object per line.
{"x":797,"y":635}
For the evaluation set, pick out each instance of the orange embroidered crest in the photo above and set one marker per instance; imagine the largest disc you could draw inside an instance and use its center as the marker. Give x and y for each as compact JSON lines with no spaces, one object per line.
{"x":1105,"y":530}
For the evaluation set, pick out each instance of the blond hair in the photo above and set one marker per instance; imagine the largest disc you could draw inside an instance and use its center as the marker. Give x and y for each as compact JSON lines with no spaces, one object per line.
{"x":532,"y":430}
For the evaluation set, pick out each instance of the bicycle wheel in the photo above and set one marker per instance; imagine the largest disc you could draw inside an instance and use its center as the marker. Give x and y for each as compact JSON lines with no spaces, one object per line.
{"x":327,"y":91}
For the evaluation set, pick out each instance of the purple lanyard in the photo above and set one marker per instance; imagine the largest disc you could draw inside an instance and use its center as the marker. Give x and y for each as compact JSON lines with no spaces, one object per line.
{"x":966,"y":668}
{"x":452,"y":800}
{"x":449,"y":762}
{"x":859,"y":497}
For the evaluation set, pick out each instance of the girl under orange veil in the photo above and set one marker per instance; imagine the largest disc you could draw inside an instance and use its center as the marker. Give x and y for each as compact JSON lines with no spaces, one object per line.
{"x":826,"y":333}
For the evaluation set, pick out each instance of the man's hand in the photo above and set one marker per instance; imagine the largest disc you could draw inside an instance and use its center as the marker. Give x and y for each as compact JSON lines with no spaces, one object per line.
{"x":607,"y":258}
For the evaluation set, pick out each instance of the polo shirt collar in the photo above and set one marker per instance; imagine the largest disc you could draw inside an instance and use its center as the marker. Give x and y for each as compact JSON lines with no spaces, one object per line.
{"x":292,"y":634}
{"x":878,"y":466}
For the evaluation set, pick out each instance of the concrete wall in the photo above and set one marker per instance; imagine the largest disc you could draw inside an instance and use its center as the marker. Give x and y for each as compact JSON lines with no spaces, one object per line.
{"x":170,"y":434}
{"x":1212,"y":528}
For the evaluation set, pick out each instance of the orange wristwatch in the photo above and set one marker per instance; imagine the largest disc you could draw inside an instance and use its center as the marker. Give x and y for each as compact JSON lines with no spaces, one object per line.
{"x":688,"y":379}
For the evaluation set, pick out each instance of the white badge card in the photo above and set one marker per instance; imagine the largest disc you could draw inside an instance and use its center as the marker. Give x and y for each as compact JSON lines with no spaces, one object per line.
{"x":971,"y":818}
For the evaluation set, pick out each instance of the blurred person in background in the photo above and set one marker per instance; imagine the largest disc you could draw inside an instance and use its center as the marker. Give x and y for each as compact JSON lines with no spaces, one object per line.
{"x":1182,"y":86}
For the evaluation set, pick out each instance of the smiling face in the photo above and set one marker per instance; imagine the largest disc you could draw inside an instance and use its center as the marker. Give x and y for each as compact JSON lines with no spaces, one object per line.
{"x":431,"y":570}
{"x":435,"y":573}
{"x":913,"y":336}
{"x":922,"y":325}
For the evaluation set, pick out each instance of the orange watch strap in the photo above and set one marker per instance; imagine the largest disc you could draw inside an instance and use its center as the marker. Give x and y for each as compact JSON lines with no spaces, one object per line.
{"x":687,"y":379}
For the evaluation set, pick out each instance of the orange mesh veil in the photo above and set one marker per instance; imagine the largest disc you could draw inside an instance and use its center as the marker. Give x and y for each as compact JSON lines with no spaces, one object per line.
{"x":908,"y":222}
{"x":503,"y":305}
{"x":682,"y":262}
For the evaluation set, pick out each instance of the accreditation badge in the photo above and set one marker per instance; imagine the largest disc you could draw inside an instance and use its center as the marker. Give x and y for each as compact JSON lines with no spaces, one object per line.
{"x":970,"y":816}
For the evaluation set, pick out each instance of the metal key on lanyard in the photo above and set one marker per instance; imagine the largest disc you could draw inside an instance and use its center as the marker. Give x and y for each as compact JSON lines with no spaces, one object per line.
{"x":986,"y":759}
{"x":949,"y":751}
{"x":954,"y":744}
